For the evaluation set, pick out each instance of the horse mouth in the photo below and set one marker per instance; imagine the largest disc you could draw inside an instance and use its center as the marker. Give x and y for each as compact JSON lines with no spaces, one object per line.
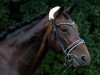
{"x":76,"y":63}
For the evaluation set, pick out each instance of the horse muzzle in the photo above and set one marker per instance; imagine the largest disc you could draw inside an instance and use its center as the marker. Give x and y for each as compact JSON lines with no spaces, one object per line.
{"x":82,"y":61}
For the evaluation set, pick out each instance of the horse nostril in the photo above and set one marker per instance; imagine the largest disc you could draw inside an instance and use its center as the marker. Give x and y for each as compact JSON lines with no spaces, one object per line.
{"x":84,"y":58}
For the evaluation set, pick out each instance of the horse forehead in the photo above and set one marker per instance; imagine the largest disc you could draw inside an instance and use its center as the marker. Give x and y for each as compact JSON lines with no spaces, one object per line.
{"x":52,"y":12}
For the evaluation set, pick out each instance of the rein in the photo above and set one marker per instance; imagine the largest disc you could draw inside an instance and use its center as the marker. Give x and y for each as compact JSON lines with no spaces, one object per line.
{"x":66,"y":51}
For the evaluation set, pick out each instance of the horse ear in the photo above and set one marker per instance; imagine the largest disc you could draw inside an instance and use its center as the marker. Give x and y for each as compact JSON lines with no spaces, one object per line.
{"x":57,"y":13}
{"x":70,"y":9}
{"x":54,"y":12}
{"x":60,"y":10}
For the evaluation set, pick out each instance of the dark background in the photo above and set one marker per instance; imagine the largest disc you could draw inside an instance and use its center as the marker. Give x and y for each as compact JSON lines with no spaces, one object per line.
{"x":86,"y":16}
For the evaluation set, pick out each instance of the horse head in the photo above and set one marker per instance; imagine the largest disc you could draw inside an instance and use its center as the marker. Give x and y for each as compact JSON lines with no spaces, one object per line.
{"x":65,"y":39}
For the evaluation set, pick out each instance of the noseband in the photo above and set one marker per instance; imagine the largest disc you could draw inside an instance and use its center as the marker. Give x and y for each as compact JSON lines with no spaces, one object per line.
{"x":63,"y":43}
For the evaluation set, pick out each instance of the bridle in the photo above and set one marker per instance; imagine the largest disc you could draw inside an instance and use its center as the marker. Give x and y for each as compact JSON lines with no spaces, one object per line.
{"x":66,"y":51}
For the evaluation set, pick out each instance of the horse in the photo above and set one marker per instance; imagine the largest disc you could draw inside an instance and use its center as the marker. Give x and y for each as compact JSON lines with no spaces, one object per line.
{"x":23,"y":47}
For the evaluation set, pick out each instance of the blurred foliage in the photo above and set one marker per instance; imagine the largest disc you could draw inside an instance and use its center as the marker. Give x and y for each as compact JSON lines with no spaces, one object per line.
{"x":86,"y":16}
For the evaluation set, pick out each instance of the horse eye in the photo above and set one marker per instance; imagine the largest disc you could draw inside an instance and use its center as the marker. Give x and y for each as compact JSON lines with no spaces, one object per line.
{"x":64,"y":30}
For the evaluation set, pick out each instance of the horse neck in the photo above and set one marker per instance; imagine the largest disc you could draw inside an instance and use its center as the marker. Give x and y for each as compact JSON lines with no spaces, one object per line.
{"x":25,"y":48}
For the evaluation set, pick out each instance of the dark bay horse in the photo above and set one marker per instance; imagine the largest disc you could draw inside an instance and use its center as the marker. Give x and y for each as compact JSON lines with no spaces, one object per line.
{"x":23,"y":47}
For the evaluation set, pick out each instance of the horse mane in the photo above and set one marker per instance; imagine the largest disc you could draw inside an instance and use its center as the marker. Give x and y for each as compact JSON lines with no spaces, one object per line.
{"x":20,"y":25}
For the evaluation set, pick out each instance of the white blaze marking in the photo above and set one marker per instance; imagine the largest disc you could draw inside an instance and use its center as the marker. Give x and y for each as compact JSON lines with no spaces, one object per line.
{"x":52,"y":12}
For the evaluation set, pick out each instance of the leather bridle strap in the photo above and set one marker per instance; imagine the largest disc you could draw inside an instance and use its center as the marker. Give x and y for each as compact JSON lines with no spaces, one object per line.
{"x":66,"y":51}
{"x":63,"y":42}
{"x":59,"y":36}
{"x":73,"y":45}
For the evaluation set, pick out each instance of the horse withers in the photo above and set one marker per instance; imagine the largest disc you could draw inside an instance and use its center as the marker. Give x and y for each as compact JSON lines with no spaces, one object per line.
{"x":23,"y":47}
